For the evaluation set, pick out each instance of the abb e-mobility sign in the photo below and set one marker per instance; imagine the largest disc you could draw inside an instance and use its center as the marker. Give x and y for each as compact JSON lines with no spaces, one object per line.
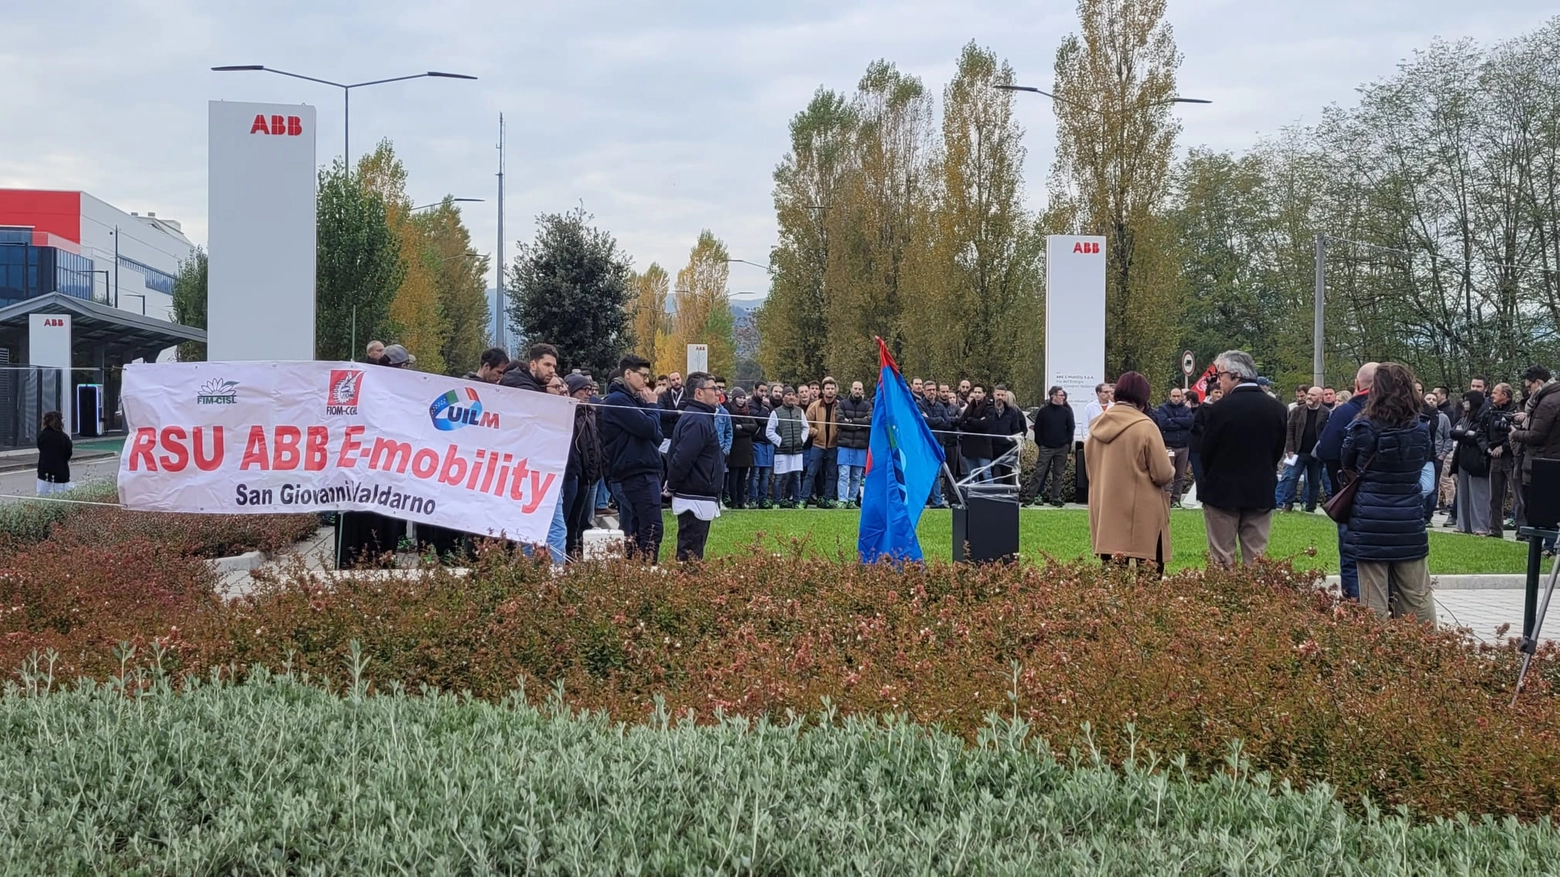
{"x":1075,"y":319}
{"x":261,"y":202}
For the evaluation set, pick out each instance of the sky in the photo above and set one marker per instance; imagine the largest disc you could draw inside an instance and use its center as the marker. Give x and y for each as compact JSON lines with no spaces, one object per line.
{"x":661,"y":119}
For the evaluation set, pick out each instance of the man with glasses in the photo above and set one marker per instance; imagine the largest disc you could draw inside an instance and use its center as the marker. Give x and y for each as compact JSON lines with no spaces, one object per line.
{"x":1054,"y":428}
{"x":631,"y":440}
{"x":694,"y":467}
{"x":1175,"y":426}
{"x":1243,"y":441}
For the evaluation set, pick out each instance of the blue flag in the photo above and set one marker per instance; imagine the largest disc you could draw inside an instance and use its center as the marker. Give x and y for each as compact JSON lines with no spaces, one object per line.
{"x":903,"y":460}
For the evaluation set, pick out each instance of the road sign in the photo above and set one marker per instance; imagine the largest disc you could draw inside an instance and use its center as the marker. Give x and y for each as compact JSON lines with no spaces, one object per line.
{"x":1188,"y":363}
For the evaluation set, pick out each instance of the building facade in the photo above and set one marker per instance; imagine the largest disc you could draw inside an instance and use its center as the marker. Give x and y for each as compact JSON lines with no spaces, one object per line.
{"x":81,"y":246}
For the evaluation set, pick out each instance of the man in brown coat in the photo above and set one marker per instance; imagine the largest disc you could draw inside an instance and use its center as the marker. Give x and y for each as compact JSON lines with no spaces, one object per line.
{"x":1129,"y":511}
{"x":1537,"y":427}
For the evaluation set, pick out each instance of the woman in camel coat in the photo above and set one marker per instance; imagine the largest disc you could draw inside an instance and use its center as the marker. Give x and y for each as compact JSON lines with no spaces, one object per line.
{"x":1129,"y":512}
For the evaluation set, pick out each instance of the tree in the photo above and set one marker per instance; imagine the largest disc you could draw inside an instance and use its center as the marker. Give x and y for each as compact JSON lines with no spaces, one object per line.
{"x":357,"y":267}
{"x":703,"y":308}
{"x":460,"y":277}
{"x":978,"y":295}
{"x":416,"y":308}
{"x":1115,"y":138}
{"x":569,"y":288}
{"x":189,"y":302}
{"x":794,"y":321}
{"x":648,"y":310}
{"x":872,"y":219}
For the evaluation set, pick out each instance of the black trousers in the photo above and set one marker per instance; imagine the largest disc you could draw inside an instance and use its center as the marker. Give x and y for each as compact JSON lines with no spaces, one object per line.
{"x":643,"y":528}
{"x":692,"y":533}
{"x":1080,"y":476}
{"x":736,"y":487}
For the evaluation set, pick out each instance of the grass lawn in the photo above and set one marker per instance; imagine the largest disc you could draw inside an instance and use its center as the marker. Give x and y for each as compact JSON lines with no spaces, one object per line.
{"x":1064,"y":535}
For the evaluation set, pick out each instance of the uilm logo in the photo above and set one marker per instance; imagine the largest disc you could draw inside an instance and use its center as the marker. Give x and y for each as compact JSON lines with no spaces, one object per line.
{"x":1086,"y":247}
{"x":53,"y":321}
{"x":290,"y":126}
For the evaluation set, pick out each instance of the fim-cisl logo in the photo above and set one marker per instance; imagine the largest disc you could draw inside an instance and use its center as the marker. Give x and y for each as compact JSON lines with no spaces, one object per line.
{"x":217,"y":392}
{"x":346,"y":387}
{"x":458,"y":408}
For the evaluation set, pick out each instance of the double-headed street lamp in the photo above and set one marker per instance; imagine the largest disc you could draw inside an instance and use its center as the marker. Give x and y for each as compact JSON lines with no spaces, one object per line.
{"x":1168,"y":100}
{"x":754,"y":264}
{"x":440,"y":203}
{"x":346,"y":92}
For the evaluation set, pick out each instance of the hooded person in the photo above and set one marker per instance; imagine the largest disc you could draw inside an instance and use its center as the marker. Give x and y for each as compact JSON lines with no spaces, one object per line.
{"x":1129,"y":466}
{"x":586,"y":465}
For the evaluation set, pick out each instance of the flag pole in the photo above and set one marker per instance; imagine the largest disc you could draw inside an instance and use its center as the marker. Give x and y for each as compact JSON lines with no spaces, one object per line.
{"x":953,"y":483}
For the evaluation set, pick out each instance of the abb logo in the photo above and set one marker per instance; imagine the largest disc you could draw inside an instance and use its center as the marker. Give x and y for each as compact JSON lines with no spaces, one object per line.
{"x":53,"y":321}
{"x":290,"y":126}
{"x":1086,"y":247}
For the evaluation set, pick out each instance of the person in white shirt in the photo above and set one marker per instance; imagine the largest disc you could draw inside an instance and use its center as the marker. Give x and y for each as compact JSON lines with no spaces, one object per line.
{"x":787,"y":431}
{"x":1104,"y":397}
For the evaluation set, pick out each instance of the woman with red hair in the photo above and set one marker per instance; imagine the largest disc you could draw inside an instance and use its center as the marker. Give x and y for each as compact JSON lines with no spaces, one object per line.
{"x":1129,"y":511}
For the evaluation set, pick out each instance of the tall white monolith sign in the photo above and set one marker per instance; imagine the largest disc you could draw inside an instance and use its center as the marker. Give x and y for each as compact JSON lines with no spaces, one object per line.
{"x":261,"y":240}
{"x":1075,"y":318}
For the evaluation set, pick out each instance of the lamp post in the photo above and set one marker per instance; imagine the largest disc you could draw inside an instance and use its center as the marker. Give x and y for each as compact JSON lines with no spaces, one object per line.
{"x":438,"y":203}
{"x":142,"y":298}
{"x":346,"y":92}
{"x":1168,"y":100}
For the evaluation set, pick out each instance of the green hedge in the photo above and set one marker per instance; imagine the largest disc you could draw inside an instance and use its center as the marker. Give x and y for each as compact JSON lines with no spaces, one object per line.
{"x":277,"y":775}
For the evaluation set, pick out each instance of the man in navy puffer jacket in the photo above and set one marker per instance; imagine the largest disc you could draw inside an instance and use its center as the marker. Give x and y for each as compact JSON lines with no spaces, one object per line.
{"x":1175,"y":419}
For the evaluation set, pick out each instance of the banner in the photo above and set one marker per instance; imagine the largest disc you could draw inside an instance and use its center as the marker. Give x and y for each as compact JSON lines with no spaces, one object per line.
{"x":1075,"y":319}
{"x":277,"y":437}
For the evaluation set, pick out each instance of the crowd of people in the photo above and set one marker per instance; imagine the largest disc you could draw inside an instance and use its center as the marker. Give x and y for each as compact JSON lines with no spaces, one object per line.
{"x":699,"y":447}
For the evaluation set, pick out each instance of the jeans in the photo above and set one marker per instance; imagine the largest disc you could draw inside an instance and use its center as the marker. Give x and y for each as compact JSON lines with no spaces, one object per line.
{"x":1177,"y":485}
{"x":758,"y":484}
{"x":1197,"y":473}
{"x":849,"y":487}
{"x":639,"y":502}
{"x":937,"y":491}
{"x":1311,"y":468}
{"x":558,"y":531}
{"x":1348,"y":567}
{"x":973,"y":463}
{"x":603,"y":496}
{"x":816,"y":483}
{"x":787,"y":487}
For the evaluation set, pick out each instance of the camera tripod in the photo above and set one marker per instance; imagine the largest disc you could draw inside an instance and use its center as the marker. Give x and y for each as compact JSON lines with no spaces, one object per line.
{"x":1533,"y":621}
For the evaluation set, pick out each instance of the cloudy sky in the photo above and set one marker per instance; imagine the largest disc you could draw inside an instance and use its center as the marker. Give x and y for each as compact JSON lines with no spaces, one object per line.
{"x":660,"y":118}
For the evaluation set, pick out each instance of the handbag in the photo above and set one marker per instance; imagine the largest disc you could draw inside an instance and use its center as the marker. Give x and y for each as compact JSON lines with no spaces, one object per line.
{"x":1341,"y":504}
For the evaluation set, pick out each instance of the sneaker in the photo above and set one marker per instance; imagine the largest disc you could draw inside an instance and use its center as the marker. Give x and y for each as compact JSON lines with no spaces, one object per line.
{"x":1450,"y":523}
{"x":1056,"y":504}
{"x":1177,"y":504}
{"x":827,"y":504}
{"x":765,"y":504}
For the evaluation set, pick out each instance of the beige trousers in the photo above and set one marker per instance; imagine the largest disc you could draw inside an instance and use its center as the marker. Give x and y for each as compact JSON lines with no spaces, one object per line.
{"x":1225,"y":526}
{"x":1398,"y":588}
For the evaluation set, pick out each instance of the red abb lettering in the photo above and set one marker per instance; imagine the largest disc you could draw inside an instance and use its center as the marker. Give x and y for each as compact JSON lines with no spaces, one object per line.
{"x":1086,"y":247}
{"x":290,"y":126}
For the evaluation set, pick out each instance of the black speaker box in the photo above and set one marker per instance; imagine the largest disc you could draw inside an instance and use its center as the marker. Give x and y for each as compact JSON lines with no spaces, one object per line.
{"x":989,"y":526}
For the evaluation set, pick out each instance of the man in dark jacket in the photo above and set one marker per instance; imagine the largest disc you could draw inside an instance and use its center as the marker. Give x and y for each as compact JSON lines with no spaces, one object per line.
{"x":1007,"y":423}
{"x":1243,"y":440}
{"x":1307,"y":422}
{"x":855,"y":417}
{"x":1175,"y":424}
{"x":1537,"y":428}
{"x":935,"y":413}
{"x":585,"y":465}
{"x":1330,"y":449}
{"x":739,"y":460}
{"x":975,"y":434}
{"x":693,"y":467}
{"x":631,"y":441}
{"x":495,"y":360}
{"x":1494,"y":437}
{"x":541,"y":365}
{"x":1055,"y":425}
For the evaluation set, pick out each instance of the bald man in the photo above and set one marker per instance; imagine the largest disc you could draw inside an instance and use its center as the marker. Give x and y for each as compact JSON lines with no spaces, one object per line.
{"x":1330,"y":449}
{"x":1306,"y":424}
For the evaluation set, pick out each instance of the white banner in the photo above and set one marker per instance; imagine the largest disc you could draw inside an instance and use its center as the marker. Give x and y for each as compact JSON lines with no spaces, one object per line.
{"x":264,"y":438}
{"x":1075,"y":319}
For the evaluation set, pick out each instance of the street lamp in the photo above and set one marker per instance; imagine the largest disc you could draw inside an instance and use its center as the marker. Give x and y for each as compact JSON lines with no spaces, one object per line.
{"x":1166,"y":101}
{"x":437,"y":203}
{"x":754,"y":264}
{"x":346,"y":91}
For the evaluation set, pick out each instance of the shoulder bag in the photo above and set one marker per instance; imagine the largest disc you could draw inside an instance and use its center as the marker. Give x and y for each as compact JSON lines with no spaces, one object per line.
{"x":1341,"y":505}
